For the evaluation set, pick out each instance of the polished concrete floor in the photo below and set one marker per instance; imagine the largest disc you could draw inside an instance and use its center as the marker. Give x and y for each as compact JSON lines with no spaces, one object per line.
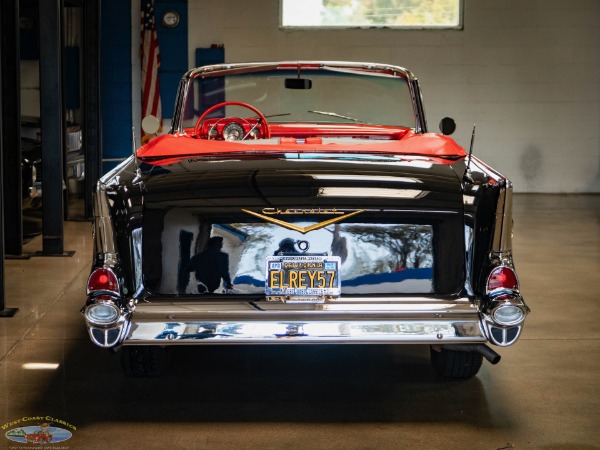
{"x":545,"y":393}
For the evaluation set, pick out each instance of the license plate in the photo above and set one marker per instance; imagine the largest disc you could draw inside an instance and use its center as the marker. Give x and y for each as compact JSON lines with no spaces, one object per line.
{"x":302,"y":279}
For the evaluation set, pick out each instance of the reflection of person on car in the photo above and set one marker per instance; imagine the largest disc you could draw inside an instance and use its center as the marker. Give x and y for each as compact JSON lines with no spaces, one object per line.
{"x":286,"y":246}
{"x":211,"y":265}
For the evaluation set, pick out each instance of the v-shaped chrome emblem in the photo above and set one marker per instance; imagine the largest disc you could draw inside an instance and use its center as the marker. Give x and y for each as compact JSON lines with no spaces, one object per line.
{"x":303,"y":230}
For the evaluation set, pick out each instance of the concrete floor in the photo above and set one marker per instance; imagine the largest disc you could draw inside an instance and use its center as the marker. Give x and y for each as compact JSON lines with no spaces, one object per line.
{"x":545,"y":393}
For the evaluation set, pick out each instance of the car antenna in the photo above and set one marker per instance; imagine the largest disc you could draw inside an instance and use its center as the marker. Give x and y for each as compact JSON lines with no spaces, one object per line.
{"x":138,"y":172}
{"x":467,"y":175}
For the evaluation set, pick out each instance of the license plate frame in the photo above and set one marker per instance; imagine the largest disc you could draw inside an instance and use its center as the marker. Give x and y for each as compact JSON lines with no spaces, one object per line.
{"x":302,"y":278}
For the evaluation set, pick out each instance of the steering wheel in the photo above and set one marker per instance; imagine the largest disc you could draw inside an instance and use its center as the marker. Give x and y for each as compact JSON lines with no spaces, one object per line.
{"x":262,"y":120}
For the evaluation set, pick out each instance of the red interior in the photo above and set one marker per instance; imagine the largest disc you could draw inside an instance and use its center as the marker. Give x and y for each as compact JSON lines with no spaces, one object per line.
{"x":307,"y":138}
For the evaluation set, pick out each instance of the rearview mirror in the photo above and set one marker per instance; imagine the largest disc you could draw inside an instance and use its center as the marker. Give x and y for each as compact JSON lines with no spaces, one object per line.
{"x":298,"y":83}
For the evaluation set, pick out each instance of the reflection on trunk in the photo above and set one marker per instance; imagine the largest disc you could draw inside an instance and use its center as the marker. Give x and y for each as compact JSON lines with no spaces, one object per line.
{"x":191,"y":255}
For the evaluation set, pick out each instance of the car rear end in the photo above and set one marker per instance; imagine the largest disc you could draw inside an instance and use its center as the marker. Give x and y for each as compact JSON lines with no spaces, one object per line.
{"x":362,"y":249}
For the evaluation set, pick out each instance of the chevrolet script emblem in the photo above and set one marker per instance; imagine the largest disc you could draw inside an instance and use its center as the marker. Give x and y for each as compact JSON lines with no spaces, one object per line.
{"x":268,"y":213}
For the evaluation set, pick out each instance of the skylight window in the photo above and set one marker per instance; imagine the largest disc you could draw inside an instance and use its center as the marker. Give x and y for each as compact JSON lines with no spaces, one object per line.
{"x":407,"y":14}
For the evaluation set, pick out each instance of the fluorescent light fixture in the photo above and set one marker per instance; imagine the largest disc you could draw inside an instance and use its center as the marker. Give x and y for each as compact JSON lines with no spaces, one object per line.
{"x":341,"y":177}
{"x":40,"y":366}
{"x":370,"y":192}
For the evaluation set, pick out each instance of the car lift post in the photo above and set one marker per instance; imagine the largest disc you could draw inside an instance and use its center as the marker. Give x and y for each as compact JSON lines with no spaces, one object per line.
{"x":11,"y":122}
{"x":52,"y":113}
{"x":4,"y":312}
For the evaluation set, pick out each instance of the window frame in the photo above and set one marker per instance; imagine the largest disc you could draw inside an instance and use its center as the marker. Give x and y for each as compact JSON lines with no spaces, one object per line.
{"x":458,"y":27}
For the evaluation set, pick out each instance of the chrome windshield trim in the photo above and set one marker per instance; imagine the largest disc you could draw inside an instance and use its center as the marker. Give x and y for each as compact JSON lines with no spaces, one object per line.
{"x":228,"y":69}
{"x":365,"y":68}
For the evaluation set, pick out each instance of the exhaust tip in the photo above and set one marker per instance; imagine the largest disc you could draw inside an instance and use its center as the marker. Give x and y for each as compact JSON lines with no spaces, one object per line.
{"x":488,"y":353}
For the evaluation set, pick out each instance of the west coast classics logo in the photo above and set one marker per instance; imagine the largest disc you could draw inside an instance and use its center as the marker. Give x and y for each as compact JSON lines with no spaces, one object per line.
{"x":38,"y":430}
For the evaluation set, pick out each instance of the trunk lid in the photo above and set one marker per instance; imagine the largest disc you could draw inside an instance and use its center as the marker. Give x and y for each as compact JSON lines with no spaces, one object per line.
{"x":212,"y":227}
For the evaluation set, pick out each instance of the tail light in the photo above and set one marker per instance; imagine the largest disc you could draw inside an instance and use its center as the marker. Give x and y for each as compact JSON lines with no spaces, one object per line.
{"x":103,"y":280}
{"x":506,"y":307}
{"x":502,"y":277}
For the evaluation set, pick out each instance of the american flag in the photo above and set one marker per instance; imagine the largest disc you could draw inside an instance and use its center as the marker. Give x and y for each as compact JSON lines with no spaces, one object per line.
{"x":150,"y":62}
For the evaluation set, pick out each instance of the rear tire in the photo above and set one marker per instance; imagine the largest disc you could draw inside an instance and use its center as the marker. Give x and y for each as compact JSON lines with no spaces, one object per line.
{"x":456,"y":364}
{"x":145,"y":361}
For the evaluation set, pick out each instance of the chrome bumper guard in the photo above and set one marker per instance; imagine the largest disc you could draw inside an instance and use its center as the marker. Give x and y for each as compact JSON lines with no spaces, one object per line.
{"x":412,"y":321}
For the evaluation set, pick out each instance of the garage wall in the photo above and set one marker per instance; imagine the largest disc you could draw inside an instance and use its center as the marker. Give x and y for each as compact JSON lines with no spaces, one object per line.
{"x":527,"y":72}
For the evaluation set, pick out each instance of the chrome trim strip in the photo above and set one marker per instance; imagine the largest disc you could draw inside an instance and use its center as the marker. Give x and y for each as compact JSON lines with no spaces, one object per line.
{"x":502,"y":239}
{"x":229,"y":68}
{"x":350,"y":306}
{"x":103,"y":227}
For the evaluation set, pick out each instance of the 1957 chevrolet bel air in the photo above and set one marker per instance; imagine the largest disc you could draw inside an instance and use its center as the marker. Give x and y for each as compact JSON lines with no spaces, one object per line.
{"x":303,"y":202}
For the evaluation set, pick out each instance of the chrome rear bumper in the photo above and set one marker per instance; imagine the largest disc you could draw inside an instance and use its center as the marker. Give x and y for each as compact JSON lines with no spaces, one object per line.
{"x":424,"y":321}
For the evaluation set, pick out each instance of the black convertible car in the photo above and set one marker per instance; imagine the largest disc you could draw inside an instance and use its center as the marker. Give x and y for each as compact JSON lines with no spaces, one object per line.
{"x":303,"y":202}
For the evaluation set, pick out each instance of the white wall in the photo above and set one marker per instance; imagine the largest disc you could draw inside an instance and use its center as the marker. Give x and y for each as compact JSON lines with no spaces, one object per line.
{"x":30,"y":88}
{"x":526,"y":71}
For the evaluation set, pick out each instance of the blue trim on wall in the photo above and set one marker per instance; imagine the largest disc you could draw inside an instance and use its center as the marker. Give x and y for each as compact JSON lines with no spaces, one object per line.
{"x":173,"y":43}
{"x":115,"y":65}
{"x":115,"y":80}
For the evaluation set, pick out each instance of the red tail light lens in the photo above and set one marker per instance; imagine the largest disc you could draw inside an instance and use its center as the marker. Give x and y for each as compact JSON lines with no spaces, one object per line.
{"x":103,"y":280}
{"x":502,"y":277}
